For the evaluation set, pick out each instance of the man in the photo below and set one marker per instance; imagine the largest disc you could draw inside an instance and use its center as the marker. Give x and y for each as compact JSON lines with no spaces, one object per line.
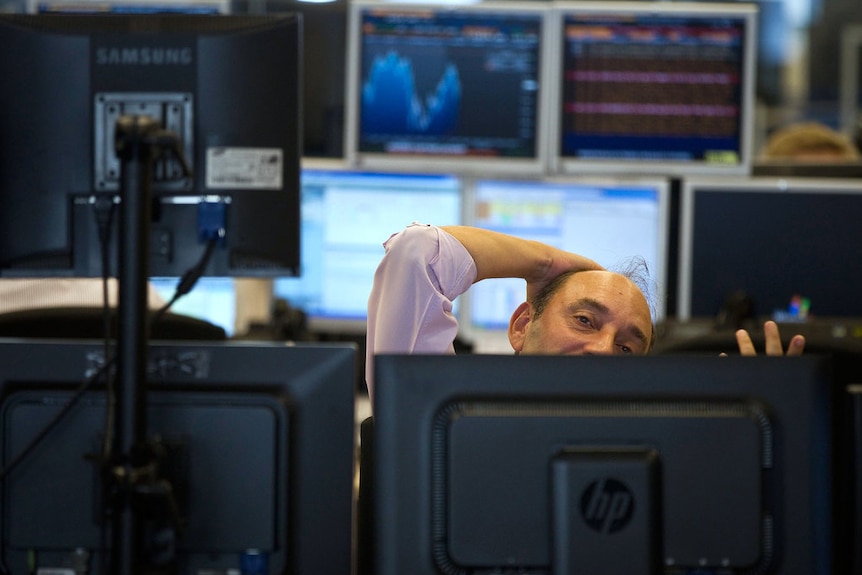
{"x":574,"y":306}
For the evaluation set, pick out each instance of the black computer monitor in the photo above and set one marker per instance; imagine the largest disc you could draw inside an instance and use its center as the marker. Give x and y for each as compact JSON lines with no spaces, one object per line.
{"x":259,"y":443}
{"x":745,"y":240}
{"x":561,"y":465}
{"x":228,"y":86}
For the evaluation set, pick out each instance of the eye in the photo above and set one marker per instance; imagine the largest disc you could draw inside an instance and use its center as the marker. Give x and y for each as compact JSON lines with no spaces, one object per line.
{"x":584,"y":320}
{"x":626,"y":349}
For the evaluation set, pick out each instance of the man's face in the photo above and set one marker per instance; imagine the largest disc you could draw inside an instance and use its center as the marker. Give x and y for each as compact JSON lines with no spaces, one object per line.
{"x":592,"y":313}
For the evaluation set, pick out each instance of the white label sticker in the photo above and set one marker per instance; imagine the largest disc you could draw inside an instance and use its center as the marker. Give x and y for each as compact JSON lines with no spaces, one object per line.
{"x":244,"y":168}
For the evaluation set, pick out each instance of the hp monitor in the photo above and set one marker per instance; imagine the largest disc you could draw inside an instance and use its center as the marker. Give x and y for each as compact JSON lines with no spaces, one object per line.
{"x":604,"y":465}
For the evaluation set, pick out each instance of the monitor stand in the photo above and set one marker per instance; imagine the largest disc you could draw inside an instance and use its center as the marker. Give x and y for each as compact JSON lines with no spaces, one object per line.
{"x":132,"y":476}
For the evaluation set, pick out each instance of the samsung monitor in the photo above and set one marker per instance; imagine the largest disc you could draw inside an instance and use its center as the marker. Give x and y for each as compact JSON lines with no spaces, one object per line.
{"x":346,"y":216}
{"x":654,"y":87}
{"x":227,"y":86}
{"x":432,"y":86}
{"x":258,"y":444}
{"x":784,"y":246}
{"x":543,"y":465}
{"x":609,"y":220}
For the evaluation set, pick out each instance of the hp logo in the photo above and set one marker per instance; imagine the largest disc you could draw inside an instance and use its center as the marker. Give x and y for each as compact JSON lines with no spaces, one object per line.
{"x":607,"y":505}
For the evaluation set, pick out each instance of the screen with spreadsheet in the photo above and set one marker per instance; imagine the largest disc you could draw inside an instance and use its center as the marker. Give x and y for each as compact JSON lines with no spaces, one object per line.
{"x":644,"y":87}
{"x":346,"y":217}
{"x":609,"y":221}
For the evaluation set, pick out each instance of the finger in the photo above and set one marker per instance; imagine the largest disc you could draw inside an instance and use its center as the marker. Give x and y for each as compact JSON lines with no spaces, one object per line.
{"x":773,"y":338}
{"x":796,"y":346}
{"x":743,"y":341}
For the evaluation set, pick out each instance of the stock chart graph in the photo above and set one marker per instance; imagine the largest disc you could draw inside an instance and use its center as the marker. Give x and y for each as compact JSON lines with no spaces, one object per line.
{"x":391,"y":103}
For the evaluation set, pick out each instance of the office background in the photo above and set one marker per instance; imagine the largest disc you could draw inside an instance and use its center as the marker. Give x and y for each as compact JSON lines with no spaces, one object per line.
{"x":803,"y":73}
{"x":806,"y":69}
{"x":807,"y":59}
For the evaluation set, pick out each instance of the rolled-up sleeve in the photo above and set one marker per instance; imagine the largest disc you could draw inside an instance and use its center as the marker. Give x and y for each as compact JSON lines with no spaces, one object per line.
{"x":410,"y":307}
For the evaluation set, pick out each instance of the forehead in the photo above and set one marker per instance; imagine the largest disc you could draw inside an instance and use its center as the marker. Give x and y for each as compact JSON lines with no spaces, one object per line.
{"x":617,"y":293}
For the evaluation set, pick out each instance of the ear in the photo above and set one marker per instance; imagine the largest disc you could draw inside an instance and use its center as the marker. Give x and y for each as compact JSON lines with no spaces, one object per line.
{"x":518,"y":325}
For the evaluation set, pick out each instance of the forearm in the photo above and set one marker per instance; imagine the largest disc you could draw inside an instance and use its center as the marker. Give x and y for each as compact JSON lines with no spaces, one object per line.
{"x":500,"y":255}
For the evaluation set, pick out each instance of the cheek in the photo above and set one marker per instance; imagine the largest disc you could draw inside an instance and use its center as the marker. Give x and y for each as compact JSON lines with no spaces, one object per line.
{"x":563,"y":338}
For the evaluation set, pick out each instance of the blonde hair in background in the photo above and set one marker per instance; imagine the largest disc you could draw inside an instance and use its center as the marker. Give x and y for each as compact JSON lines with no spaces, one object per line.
{"x":809,"y":141}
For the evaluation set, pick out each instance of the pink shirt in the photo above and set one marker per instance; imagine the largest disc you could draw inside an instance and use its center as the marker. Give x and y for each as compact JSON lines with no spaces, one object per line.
{"x":410,"y":307}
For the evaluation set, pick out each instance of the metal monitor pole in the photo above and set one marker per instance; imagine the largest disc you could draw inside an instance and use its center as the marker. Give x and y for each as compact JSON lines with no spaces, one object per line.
{"x":133,"y":471}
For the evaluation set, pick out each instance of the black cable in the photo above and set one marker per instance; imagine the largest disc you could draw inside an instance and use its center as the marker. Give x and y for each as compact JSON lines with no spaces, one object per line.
{"x":76,"y":396}
{"x":104,"y":211}
{"x":189,"y":279}
{"x":104,"y":221}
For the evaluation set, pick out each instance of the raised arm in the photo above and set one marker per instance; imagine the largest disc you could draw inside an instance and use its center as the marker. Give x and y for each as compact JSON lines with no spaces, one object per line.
{"x":499,"y":255}
{"x":410,"y":306}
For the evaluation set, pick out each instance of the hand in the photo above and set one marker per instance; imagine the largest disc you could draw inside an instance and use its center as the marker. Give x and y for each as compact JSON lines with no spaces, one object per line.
{"x":560,"y":262}
{"x":773,"y":342}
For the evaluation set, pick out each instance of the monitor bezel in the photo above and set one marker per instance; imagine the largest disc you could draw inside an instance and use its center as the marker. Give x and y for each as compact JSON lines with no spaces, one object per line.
{"x":747,"y":12}
{"x":432,"y":163}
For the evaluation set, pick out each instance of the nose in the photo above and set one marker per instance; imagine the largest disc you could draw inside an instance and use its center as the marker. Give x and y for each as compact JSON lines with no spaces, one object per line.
{"x":601,"y":343}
